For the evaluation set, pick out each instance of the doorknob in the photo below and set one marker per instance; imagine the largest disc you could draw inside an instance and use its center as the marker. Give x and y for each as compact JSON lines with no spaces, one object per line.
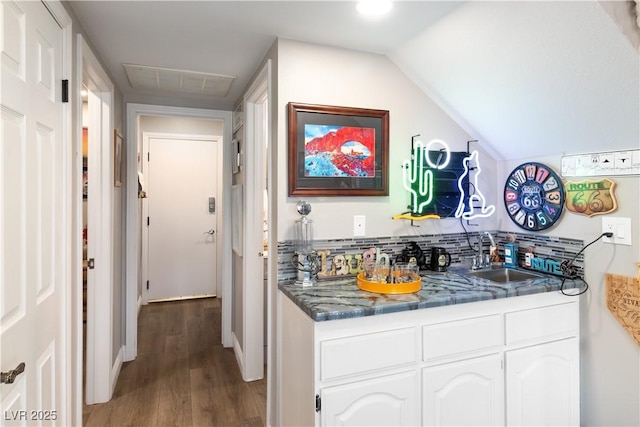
{"x":209,"y":232}
{"x":9,"y":377}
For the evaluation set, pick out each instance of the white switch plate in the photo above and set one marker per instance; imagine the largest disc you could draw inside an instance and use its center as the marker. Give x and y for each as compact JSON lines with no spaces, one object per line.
{"x":358,"y":225}
{"x":621,"y":229}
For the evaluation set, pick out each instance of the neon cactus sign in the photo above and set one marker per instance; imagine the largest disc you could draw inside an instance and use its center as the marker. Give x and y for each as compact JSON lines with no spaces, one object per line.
{"x":418,"y":180}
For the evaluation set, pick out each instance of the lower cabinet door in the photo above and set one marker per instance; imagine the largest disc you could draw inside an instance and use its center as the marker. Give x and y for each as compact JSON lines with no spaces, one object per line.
{"x":543,"y":385}
{"x":384,"y":401}
{"x":464,"y":393}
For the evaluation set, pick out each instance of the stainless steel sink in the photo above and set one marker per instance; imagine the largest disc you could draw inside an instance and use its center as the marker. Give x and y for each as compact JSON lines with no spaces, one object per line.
{"x":504,"y":275}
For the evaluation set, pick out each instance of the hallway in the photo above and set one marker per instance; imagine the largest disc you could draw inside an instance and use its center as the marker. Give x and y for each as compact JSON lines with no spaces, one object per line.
{"x":182,"y":376}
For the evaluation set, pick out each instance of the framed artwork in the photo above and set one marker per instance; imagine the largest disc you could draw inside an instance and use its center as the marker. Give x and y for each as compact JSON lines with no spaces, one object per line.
{"x":338,"y":151}
{"x":117,"y":158}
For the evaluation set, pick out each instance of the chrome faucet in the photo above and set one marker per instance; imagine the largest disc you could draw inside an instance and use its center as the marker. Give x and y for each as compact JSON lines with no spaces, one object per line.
{"x":482,"y":260}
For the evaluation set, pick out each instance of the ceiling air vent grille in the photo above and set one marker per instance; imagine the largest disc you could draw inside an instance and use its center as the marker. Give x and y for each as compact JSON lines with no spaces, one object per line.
{"x":171,"y":80}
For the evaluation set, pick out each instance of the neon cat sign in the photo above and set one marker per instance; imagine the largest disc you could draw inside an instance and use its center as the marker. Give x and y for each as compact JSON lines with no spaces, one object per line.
{"x":418,"y":180}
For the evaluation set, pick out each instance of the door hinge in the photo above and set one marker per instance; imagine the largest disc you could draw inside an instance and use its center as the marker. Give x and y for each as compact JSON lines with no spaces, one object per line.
{"x":148,"y":156}
{"x":147,"y":221}
{"x":147,"y":285}
{"x":91,"y":264}
{"x":318,"y":403}
{"x":65,"y":91}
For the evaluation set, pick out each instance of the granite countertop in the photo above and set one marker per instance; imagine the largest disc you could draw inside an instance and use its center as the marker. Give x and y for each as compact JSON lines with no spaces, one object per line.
{"x":342,"y":299}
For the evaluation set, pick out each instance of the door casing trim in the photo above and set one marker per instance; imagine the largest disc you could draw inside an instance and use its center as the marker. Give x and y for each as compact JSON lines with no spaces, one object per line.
{"x":132,"y":280}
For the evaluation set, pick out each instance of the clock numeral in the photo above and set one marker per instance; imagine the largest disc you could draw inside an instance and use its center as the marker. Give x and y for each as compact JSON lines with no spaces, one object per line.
{"x":550,"y":184}
{"x":520,"y":176}
{"x":553,"y":197}
{"x":513,"y":208}
{"x":542,"y":218}
{"x":531,"y":171}
{"x":510,"y":196}
{"x":542,"y":175}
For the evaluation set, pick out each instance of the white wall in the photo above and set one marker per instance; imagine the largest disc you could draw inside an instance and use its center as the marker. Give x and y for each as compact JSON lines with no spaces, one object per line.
{"x":610,"y":368}
{"x":185,"y":125}
{"x":315,"y":74}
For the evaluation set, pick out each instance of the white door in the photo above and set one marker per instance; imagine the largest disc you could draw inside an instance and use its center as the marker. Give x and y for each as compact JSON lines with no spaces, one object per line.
{"x":384,"y":401}
{"x":181,"y":182}
{"x":474,"y":384}
{"x":33,"y":216}
{"x":543,"y":385}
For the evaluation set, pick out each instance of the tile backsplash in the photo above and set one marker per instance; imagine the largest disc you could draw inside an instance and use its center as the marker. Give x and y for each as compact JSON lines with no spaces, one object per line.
{"x":461,"y":246}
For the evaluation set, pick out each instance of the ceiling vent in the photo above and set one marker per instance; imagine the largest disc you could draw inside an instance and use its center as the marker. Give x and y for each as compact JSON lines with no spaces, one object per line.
{"x":170,"y":80}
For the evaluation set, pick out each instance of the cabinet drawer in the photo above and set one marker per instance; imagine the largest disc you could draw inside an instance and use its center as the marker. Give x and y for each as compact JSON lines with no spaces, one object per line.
{"x":461,"y":336}
{"x":542,"y":322}
{"x":366,"y":353}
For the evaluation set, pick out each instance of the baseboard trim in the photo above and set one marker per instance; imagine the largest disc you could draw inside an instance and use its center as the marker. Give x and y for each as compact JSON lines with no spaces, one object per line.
{"x":115,"y":370}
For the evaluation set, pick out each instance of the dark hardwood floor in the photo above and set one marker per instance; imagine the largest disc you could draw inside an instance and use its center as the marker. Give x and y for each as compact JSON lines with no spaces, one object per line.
{"x":182,"y":375}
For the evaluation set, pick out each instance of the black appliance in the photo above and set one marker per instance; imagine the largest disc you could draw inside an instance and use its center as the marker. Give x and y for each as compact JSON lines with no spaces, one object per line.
{"x":413,"y":250}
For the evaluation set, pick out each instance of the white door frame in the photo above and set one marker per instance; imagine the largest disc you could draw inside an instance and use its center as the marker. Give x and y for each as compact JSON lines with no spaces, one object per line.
{"x":133,"y":225}
{"x":101,"y":373}
{"x":71,"y":403}
{"x":251,"y":354}
{"x":145,"y":205}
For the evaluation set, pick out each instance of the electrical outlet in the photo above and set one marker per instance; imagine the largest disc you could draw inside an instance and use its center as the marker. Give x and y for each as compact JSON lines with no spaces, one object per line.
{"x":358,"y":225}
{"x":621,"y":229}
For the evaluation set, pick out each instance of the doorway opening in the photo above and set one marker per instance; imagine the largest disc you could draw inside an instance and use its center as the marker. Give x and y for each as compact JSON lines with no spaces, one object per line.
{"x":99,"y":350}
{"x":171,"y":120}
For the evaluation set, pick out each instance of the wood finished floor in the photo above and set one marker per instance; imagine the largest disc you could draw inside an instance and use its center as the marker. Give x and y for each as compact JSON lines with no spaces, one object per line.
{"x":182,"y":375}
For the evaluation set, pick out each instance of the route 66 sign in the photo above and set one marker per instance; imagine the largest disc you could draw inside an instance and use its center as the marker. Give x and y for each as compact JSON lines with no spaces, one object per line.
{"x":591,"y":197}
{"x":534,"y":196}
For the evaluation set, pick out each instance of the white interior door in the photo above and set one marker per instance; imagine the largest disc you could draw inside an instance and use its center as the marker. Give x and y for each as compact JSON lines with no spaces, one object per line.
{"x":102,"y":361}
{"x":35,"y":231}
{"x":181,"y":179}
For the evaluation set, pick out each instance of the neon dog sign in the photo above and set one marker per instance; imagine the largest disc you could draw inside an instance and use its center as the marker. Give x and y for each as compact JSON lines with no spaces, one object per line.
{"x":418,"y":180}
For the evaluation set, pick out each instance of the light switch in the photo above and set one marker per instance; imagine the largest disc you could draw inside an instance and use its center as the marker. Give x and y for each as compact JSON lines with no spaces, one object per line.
{"x":358,"y":225}
{"x":621,"y":229}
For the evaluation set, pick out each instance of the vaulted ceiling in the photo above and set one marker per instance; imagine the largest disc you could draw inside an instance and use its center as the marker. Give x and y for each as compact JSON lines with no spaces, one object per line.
{"x":531,"y":78}
{"x":526,"y":78}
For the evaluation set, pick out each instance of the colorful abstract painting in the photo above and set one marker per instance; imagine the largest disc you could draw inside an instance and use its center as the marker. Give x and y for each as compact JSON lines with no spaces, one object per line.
{"x":339,"y":151}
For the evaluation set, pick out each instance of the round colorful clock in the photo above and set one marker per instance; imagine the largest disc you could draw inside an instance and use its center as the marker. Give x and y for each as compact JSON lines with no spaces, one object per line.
{"x":534,"y":196}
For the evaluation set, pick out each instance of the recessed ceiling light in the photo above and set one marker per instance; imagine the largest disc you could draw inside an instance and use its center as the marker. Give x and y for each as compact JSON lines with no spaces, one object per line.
{"x":373,"y":7}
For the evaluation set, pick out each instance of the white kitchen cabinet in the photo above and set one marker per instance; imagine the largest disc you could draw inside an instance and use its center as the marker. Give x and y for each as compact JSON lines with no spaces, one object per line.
{"x":542,"y":384}
{"x":383,"y":401}
{"x":510,"y":361}
{"x":464,"y":393}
